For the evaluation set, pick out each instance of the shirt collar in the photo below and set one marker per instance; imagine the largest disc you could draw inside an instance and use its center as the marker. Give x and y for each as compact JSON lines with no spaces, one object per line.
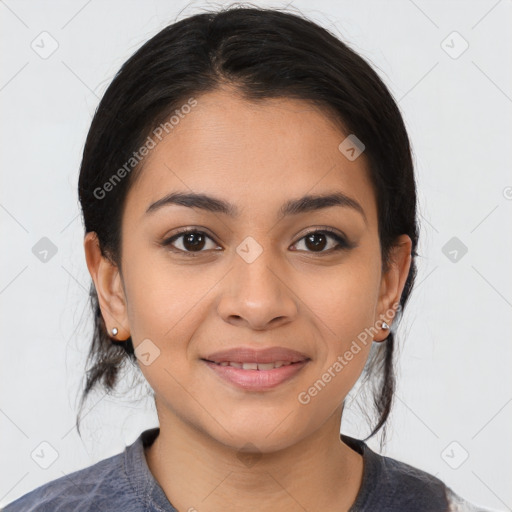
{"x":145,"y":485}
{"x":148,"y":490}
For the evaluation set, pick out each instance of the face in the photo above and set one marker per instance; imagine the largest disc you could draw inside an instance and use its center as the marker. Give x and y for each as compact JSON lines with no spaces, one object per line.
{"x":253,"y":276}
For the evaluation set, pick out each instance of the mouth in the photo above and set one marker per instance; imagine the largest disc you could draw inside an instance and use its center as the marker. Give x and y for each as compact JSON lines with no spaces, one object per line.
{"x":246,"y":355}
{"x":251,"y":376}
{"x":255,"y":366}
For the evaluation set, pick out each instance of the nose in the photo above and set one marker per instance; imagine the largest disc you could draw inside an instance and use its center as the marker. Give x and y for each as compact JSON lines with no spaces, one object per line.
{"x":258,"y":295}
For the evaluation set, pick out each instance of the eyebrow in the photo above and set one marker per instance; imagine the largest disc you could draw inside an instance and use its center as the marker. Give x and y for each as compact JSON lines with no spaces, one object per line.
{"x":303,"y":204}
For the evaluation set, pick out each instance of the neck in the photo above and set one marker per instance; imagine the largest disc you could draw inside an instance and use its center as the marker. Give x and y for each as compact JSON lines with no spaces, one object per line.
{"x":195,"y":471}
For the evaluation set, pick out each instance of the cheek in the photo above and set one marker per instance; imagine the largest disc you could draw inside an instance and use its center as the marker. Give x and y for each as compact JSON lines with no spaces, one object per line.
{"x":343,"y":302}
{"x":164,"y":299}
{"x":166,"y":306}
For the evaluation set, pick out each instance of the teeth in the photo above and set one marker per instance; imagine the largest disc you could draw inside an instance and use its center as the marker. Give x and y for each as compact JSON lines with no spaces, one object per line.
{"x":264,"y":366}
{"x":255,"y":366}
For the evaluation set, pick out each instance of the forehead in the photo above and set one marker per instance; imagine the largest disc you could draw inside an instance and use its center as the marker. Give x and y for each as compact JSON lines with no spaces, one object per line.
{"x":256,"y":155}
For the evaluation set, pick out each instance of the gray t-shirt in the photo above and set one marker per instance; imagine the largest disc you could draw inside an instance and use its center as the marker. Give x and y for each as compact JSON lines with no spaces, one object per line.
{"x":124,"y":482}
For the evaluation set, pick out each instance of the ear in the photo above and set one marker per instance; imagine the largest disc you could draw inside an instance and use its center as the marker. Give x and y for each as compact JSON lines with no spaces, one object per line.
{"x":109,"y":287}
{"x":392,"y":284}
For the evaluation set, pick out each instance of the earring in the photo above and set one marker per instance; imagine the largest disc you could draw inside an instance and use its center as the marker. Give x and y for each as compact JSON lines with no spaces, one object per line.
{"x":385,"y":325}
{"x":114,"y":331}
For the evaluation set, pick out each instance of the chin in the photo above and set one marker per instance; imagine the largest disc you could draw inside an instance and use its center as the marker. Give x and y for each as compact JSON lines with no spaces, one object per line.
{"x":264,"y":435}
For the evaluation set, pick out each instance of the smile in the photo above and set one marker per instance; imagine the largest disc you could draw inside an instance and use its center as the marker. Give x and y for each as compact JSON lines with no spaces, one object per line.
{"x":256,"y":376}
{"x":254,"y":366}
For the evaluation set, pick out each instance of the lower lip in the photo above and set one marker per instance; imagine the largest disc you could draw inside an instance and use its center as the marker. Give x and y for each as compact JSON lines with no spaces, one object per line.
{"x":257,"y":380}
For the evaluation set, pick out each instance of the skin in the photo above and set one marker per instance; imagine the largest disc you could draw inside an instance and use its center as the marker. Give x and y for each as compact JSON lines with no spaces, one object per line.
{"x":317,"y":301}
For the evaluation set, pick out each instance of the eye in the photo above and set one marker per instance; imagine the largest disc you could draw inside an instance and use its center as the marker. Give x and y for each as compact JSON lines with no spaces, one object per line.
{"x":316,"y":241}
{"x":189,"y":241}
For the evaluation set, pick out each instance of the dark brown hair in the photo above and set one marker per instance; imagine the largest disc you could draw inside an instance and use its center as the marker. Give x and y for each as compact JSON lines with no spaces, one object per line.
{"x":263,"y":53}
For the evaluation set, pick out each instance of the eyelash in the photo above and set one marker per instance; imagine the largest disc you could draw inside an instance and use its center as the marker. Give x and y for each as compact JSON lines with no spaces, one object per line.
{"x":343,"y":244}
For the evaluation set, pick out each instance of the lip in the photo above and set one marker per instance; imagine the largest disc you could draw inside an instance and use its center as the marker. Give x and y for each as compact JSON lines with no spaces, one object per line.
{"x":256,"y":380}
{"x":251,"y":355}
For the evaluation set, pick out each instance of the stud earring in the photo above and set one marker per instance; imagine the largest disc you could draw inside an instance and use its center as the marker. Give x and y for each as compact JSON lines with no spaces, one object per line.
{"x":114,"y":331}
{"x":385,"y":325}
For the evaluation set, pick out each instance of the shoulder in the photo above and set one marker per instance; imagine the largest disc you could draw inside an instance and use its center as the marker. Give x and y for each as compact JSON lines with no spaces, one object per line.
{"x":458,"y":504}
{"x":96,"y":487}
{"x":390,"y":485}
{"x":409,"y":488}
{"x":425,"y":489}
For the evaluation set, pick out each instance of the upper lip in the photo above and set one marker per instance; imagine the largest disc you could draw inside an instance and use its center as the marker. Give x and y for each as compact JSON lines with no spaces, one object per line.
{"x":251,"y":355}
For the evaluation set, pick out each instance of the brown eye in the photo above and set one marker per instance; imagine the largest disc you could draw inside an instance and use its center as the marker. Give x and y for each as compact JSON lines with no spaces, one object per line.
{"x":317,"y":241}
{"x":189,"y":241}
{"x":194,"y":241}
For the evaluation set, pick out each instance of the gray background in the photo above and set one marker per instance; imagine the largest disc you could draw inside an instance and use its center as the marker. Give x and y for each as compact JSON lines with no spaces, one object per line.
{"x":453,"y":409}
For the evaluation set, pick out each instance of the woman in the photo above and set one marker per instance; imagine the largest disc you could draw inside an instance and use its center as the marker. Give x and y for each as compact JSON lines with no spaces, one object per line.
{"x":249,"y":204}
